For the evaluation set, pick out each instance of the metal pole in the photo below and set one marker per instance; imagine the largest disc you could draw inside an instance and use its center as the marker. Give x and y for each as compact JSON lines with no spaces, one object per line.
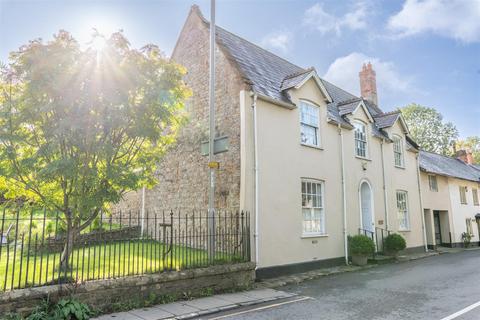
{"x":211,"y":198}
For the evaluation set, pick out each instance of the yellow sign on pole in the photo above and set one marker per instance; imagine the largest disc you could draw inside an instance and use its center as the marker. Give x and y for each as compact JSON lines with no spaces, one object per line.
{"x":214,"y":165}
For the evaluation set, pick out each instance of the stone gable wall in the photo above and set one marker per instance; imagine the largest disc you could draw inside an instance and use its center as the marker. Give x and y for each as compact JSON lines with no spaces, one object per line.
{"x":183,"y":173}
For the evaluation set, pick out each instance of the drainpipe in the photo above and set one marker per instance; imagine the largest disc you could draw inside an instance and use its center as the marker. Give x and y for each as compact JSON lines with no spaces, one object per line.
{"x":385,"y":196}
{"x":255,"y":169}
{"x":421,"y":203}
{"x":344,"y":192}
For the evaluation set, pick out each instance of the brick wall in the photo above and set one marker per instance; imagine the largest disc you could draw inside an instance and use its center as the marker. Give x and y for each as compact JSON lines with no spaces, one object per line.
{"x":183,"y":173}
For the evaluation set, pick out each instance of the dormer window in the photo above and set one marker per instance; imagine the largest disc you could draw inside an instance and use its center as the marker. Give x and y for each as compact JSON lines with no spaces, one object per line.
{"x":309,"y":124}
{"x":398,"y":151}
{"x":361,"y":148}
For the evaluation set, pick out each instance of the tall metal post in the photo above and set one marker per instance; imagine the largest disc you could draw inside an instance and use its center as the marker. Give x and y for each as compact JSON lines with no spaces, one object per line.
{"x":211,"y":198}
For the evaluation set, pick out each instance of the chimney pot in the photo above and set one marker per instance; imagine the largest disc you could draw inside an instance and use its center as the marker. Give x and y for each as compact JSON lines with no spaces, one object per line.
{"x":368,"y":83}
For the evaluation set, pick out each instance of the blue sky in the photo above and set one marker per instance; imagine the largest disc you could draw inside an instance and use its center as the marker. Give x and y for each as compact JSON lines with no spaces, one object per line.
{"x":424,"y":51}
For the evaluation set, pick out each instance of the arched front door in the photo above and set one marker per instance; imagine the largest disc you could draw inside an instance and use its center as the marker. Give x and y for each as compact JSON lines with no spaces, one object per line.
{"x":366,"y":206}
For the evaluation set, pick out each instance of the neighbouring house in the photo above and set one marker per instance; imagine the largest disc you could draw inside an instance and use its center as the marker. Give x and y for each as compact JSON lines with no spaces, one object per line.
{"x":311,"y":162}
{"x":450,"y":192}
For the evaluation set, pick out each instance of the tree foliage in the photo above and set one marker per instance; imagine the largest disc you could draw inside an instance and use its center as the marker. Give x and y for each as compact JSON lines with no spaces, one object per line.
{"x":80,"y":127}
{"x":428,"y":129}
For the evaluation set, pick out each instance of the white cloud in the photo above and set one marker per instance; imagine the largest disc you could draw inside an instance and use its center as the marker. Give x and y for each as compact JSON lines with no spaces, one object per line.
{"x":280,"y":40}
{"x":458,"y":19}
{"x":343,"y":72}
{"x":324,"y":22}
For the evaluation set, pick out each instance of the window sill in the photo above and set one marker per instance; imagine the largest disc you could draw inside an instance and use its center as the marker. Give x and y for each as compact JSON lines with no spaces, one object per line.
{"x":314,"y":235}
{"x":363,"y":158}
{"x":404,"y":230}
{"x":400,"y":167}
{"x":311,"y":146}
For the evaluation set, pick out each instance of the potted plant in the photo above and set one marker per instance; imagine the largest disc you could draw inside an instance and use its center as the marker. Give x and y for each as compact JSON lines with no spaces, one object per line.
{"x":394,"y":243}
{"x":466,"y":238}
{"x":361,"y":247}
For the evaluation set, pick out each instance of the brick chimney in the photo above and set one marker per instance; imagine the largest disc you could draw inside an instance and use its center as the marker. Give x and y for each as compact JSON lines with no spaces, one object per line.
{"x":465,"y":155}
{"x":368,"y":83}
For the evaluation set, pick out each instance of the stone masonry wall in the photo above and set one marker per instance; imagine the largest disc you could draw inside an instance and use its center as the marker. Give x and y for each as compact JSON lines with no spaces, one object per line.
{"x":101,"y":294}
{"x":183,"y":173}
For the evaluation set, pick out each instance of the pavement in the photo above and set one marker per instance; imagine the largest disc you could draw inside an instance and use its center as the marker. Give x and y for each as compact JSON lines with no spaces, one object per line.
{"x":203,"y":306}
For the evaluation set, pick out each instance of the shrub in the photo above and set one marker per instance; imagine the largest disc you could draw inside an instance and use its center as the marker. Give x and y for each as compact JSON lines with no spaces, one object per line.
{"x":394,"y":243}
{"x":466,"y":238}
{"x":361,"y":245}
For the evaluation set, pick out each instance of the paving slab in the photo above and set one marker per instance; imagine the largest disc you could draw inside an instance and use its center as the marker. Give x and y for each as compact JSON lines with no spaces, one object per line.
{"x":152,"y":314}
{"x":208,"y":303}
{"x":234,"y":297}
{"x":261,"y":294}
{"x":177,"y":308}
{"x":199,"y":307}
{"x":119,"y":316}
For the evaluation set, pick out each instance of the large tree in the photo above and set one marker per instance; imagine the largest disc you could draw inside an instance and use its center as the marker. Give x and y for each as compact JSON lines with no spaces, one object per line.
{"x":428,"y":128}
{"x":82,"y":126}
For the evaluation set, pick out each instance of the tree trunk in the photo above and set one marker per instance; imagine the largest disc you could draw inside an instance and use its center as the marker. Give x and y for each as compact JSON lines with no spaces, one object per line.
{"x":68,"y":248}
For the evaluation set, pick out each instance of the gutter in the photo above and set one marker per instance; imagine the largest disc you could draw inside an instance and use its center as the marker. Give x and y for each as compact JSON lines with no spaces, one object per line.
{"x":344,"y":192}
{"x":255,"y":169}
{"x":287,"y":105}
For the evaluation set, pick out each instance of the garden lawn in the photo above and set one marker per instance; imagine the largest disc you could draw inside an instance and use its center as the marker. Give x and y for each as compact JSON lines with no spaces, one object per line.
{"x":99,"y":261}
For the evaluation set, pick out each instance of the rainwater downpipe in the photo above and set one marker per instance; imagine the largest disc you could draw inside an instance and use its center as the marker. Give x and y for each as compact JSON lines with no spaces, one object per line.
{"x":344,"y":195}
{"x":255,"y":168}
{"x":421,"y":203}
{"x":385,"y":196}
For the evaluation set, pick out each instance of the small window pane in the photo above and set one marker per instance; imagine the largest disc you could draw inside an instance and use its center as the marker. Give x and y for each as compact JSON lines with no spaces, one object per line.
{"x":398,"y":151}
{"x":360,"y":140}
{"x":312,"y":207}
{"x":402,"y":208}
{"x":432,"y":182}
{"x":475,"y":197}
{"x":309,"y":124}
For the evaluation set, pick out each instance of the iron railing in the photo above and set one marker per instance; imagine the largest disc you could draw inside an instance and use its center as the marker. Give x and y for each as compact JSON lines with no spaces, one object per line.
{"x":115,"y":245}
{"x":378,"y":237}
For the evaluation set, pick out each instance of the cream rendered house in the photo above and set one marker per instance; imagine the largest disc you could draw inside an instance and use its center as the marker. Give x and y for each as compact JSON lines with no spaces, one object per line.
{"x":451,"y":196}
{"x":311,"y":162}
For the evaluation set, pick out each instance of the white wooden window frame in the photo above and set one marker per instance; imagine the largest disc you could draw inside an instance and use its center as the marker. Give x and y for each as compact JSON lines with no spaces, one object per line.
{"x":361,"y":139}
{"x":398,"y":154}
{"x":309,"y":121}
{"x":463,"y":194}
{"x":469,"y":226}
{"x":402,"y":209}
{"x":433,"y":182}
{"x":475,"y":197}
{"x":313,"y":207}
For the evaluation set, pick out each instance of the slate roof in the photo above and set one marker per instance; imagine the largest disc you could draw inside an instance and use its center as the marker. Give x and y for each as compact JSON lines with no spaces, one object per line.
{"x":270,"y":75}
{"x":386,"y":120}
{"x":348,"y":106}
{"x":295,"y":79}
{"x":447,"y":166}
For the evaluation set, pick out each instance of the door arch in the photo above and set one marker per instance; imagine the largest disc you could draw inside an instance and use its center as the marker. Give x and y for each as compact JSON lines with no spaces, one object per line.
{"x":367,"y":219}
